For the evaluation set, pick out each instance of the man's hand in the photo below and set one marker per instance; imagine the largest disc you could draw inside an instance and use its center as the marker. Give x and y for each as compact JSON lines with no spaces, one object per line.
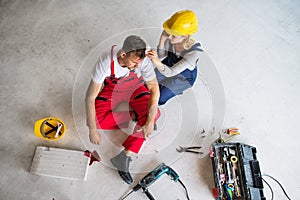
{"x":95,"y":137}
{"x":147,"y":130}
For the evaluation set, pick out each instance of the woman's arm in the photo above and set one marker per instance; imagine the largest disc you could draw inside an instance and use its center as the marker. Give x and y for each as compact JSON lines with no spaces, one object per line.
{"x":161,"y":47}
{"x":187,"y":62}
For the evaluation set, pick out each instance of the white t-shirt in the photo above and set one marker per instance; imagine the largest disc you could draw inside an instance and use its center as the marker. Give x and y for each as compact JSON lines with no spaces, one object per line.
{"x":103,"y":70}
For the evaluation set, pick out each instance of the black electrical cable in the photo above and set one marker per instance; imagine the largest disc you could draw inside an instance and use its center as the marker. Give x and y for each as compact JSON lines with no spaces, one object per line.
{"x":279,"y":185}
{"x":270,"y":188}
{"x":186,"y":192}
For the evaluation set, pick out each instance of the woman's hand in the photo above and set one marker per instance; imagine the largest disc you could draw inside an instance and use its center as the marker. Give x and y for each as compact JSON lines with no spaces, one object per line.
{"x":152,"y":54}
{"x":164,"y":35}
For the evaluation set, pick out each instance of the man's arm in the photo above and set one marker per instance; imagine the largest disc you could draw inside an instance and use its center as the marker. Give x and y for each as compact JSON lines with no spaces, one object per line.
{"x":92,"y":92}
{"x":153,"y":105}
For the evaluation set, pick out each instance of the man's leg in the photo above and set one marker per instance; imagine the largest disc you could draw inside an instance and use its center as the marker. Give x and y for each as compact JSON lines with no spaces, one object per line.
{"x":108,"y":119}
{"x":139,"y":102}
{"x":121,"y":162}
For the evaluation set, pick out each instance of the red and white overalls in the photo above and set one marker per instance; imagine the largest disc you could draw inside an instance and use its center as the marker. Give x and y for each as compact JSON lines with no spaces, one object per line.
{"x":129,"y":89}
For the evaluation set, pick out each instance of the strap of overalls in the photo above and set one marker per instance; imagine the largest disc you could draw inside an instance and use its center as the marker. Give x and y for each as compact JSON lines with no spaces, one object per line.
{"x":112,"y":63}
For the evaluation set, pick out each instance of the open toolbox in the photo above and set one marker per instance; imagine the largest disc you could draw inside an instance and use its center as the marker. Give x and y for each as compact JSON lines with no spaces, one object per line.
{"x":237,"y":173}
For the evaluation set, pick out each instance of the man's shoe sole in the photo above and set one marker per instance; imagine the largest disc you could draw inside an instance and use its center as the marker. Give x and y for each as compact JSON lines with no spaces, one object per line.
{"x":120,"y":173}
{"x":129,"y":182}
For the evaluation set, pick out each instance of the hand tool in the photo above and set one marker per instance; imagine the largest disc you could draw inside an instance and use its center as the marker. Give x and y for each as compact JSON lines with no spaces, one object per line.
{"x":229,"y":191}
{"x":222,"y":178}
{"x":233,"y":159}
{"x":232,"y":131}
{"x":232,"y":151}
{"x":153,"y":176}
{"x":230,"y":178}
{"x":237,"y":189}
{"x":189,"y":149}
{"x":221,"y":140}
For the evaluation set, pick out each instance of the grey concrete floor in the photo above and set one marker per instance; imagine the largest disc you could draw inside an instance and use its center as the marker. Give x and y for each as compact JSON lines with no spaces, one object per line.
{"x":251,"y":48}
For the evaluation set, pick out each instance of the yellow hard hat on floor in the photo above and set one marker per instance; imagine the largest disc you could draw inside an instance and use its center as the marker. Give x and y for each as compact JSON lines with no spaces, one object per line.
{"x":50,"y":128}
{"x":183,"y":22}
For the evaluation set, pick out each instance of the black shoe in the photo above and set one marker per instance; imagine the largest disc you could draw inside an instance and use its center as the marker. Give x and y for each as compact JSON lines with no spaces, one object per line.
{"x":126,"y":177}
{"x":121,"y":162}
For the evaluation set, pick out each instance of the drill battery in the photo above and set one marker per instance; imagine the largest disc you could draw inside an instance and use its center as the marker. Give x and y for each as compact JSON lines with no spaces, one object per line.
{"x":236,"y":172}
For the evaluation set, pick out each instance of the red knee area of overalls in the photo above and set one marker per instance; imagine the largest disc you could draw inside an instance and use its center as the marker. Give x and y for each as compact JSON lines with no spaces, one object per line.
{"x":108,"y":119}
{"x":135,"y":141}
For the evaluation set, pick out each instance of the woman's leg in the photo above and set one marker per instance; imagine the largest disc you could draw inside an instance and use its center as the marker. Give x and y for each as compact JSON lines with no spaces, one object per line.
{"x":171,"y":87}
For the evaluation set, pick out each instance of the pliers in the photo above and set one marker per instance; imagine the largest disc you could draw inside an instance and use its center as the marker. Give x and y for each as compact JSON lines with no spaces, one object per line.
{"x":188,"y":149}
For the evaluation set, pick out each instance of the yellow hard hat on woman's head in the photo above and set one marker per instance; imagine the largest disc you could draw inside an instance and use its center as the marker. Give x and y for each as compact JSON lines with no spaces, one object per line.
{"x":183,"y":22}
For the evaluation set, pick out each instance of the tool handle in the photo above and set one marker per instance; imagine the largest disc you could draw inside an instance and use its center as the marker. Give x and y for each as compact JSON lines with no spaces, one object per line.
{"x":148,"y":194}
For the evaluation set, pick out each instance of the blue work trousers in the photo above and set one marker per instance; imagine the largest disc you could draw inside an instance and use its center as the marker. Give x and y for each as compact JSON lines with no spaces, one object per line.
{"x":170,"y":86}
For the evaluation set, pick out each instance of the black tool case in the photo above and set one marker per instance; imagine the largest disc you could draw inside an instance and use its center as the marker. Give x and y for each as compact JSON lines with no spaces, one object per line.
{"x":236,"y":172}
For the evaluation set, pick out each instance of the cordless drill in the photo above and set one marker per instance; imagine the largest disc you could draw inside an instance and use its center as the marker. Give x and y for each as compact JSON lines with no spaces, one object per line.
{"x":151,"y":177}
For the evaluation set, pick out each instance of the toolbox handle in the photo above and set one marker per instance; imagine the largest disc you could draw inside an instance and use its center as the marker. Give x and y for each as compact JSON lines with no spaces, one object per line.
{"x":257,"y":179}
